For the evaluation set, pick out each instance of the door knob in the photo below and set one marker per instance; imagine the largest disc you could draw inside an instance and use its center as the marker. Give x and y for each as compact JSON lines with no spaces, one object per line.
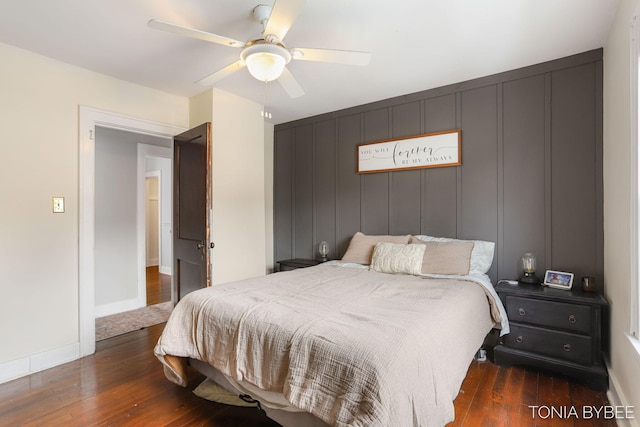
{"x":200,"y":245}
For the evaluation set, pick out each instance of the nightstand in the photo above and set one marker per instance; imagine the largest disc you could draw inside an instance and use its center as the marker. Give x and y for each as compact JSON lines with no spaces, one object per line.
{"x":292,"y":264}
{"x":555,"y":330}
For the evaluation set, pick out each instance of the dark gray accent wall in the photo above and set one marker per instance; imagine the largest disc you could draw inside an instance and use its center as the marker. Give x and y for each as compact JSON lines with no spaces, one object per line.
{"x":530,"y":180}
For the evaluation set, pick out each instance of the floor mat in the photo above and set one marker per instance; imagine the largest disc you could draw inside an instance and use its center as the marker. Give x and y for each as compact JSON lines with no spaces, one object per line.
{"x":128,"y":321}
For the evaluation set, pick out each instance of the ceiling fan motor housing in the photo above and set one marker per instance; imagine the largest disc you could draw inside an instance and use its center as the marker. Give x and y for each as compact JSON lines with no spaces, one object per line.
{"x":261,"y":14}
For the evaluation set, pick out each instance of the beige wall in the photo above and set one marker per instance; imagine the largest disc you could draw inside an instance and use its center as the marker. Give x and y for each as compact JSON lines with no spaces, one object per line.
{"x":39,"y":250}
{"x":624,"y":363}
{"x":39,"y":150}
{"x":238,"y":190}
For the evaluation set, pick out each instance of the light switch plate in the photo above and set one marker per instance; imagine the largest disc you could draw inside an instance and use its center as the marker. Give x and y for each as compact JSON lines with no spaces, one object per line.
{"x":58,"y":205}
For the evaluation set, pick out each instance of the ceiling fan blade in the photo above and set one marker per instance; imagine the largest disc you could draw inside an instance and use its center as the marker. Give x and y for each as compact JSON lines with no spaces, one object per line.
{"x":290,"y":84}
{"x":221,"y":74}
{"x":283,"y":14}
{"x":193,"y":33}
{"x":350,"y":57}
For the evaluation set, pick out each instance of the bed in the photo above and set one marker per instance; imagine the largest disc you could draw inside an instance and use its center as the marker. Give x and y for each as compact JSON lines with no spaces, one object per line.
{"x":375,"y":343}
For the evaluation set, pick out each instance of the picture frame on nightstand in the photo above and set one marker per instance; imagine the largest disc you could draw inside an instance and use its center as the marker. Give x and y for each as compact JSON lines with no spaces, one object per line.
{"x":558,"y":279}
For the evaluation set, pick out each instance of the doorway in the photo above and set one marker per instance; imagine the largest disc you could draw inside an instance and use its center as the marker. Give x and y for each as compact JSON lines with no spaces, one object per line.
{"x":123,"y":161}
{"x":89,"y":120}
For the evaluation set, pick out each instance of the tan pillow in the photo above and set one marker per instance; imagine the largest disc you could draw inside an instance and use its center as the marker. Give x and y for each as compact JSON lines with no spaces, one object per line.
{"x":397,"y":258}
{"x":451,"y":258}
{"x":360,"y":248}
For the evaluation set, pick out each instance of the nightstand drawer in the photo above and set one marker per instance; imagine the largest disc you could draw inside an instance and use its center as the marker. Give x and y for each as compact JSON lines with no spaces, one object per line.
{"x":570,"y":317}
{"x":567,"y":346}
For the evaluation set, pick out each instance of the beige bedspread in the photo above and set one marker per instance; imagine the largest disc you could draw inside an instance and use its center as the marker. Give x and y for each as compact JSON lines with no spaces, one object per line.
{"x":353,"y":347}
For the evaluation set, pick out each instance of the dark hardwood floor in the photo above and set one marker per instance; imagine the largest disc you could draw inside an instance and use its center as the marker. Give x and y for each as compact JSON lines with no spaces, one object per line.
{"x":123,"y":384}
{"x":158,"y":286}
{"x":497,"y":396}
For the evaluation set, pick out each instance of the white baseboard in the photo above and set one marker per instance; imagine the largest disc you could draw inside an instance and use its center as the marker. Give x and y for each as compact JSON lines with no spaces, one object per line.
{"x":152,"y":262}
{"x":617,"y":398}
{"x":38,"y":362}
{"x":116,"y":307}
{"x":164,"y":269}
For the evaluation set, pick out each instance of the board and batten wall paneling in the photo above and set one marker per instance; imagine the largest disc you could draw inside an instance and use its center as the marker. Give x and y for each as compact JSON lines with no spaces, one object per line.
{"x":283,"y":195}
{"x":478,"y":187}
{"x":348,"y":204}
{"x":405,"y":186}
{"x":375,"y":186}
{"x":439,"y":200}
{"x":324,"y":185}
{"x":303,"y":178}
{"x":573,"y":170}
{"x":523,"y":208}
{"x":530,"y":180}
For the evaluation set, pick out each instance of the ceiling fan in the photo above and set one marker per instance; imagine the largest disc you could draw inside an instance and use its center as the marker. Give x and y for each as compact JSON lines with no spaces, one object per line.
{"x":266,"y":56}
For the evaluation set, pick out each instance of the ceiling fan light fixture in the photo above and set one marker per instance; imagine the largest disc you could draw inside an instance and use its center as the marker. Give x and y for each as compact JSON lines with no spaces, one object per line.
{"x":265,"y":62}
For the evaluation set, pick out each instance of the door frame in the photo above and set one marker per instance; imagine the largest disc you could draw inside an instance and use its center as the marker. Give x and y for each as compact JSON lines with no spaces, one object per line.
{"x":89,"y":118}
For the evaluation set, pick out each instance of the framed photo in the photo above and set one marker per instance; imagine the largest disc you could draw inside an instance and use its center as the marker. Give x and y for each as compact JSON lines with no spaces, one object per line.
{"x":558,"y":279}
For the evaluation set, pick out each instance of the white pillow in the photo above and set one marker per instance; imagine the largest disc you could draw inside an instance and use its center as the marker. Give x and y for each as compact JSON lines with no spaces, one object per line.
{"x":481,"y":255}
{"x":397,"y":258}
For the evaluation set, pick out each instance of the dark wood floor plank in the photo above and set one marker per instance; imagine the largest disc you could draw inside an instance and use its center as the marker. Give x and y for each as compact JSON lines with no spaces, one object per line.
{"x":468,"y":389}
{"x":545,"y":398}
{"x":482,"y":400}
{"x":493,"y":413}
{"x":528,"y":398}
{"x":562,"y":402}
{"x":510,"y":413}
{"x":581,"y":397}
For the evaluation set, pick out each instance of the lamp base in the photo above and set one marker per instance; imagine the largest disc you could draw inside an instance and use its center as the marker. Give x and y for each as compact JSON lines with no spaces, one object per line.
{"x":529,"y":279}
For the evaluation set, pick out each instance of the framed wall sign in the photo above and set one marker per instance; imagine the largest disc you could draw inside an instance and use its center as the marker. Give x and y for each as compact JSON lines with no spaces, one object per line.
{"x":432,"y":150}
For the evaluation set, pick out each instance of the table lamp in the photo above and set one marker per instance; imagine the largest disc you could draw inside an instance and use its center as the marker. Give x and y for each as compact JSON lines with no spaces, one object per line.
{"x":323,"y":250}
{"x":529,"y":269}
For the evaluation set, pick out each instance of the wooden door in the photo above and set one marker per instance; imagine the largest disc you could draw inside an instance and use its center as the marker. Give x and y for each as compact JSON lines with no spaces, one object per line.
{"x":191,"y":211}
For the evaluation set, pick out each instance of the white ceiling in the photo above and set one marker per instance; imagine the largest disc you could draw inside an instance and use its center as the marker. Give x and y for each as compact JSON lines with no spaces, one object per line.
{"x":415,"y":44}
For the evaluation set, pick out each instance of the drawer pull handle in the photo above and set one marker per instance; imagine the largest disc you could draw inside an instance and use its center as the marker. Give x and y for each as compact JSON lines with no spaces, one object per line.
{"x":567,"y":347}
{"x":521,"y":312}
{"x":519,"y":338}
{"x":572,"y":318}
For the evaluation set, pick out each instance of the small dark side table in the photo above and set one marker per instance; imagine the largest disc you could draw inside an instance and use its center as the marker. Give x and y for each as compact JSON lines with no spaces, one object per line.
{"x":555,"y":330}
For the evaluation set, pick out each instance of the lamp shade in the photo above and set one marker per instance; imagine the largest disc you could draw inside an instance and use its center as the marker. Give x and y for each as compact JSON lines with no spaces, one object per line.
{"x":266,"y":62}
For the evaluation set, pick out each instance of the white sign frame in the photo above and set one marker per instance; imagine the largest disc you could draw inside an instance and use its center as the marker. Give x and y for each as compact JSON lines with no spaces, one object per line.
{"x":431,"y":150}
